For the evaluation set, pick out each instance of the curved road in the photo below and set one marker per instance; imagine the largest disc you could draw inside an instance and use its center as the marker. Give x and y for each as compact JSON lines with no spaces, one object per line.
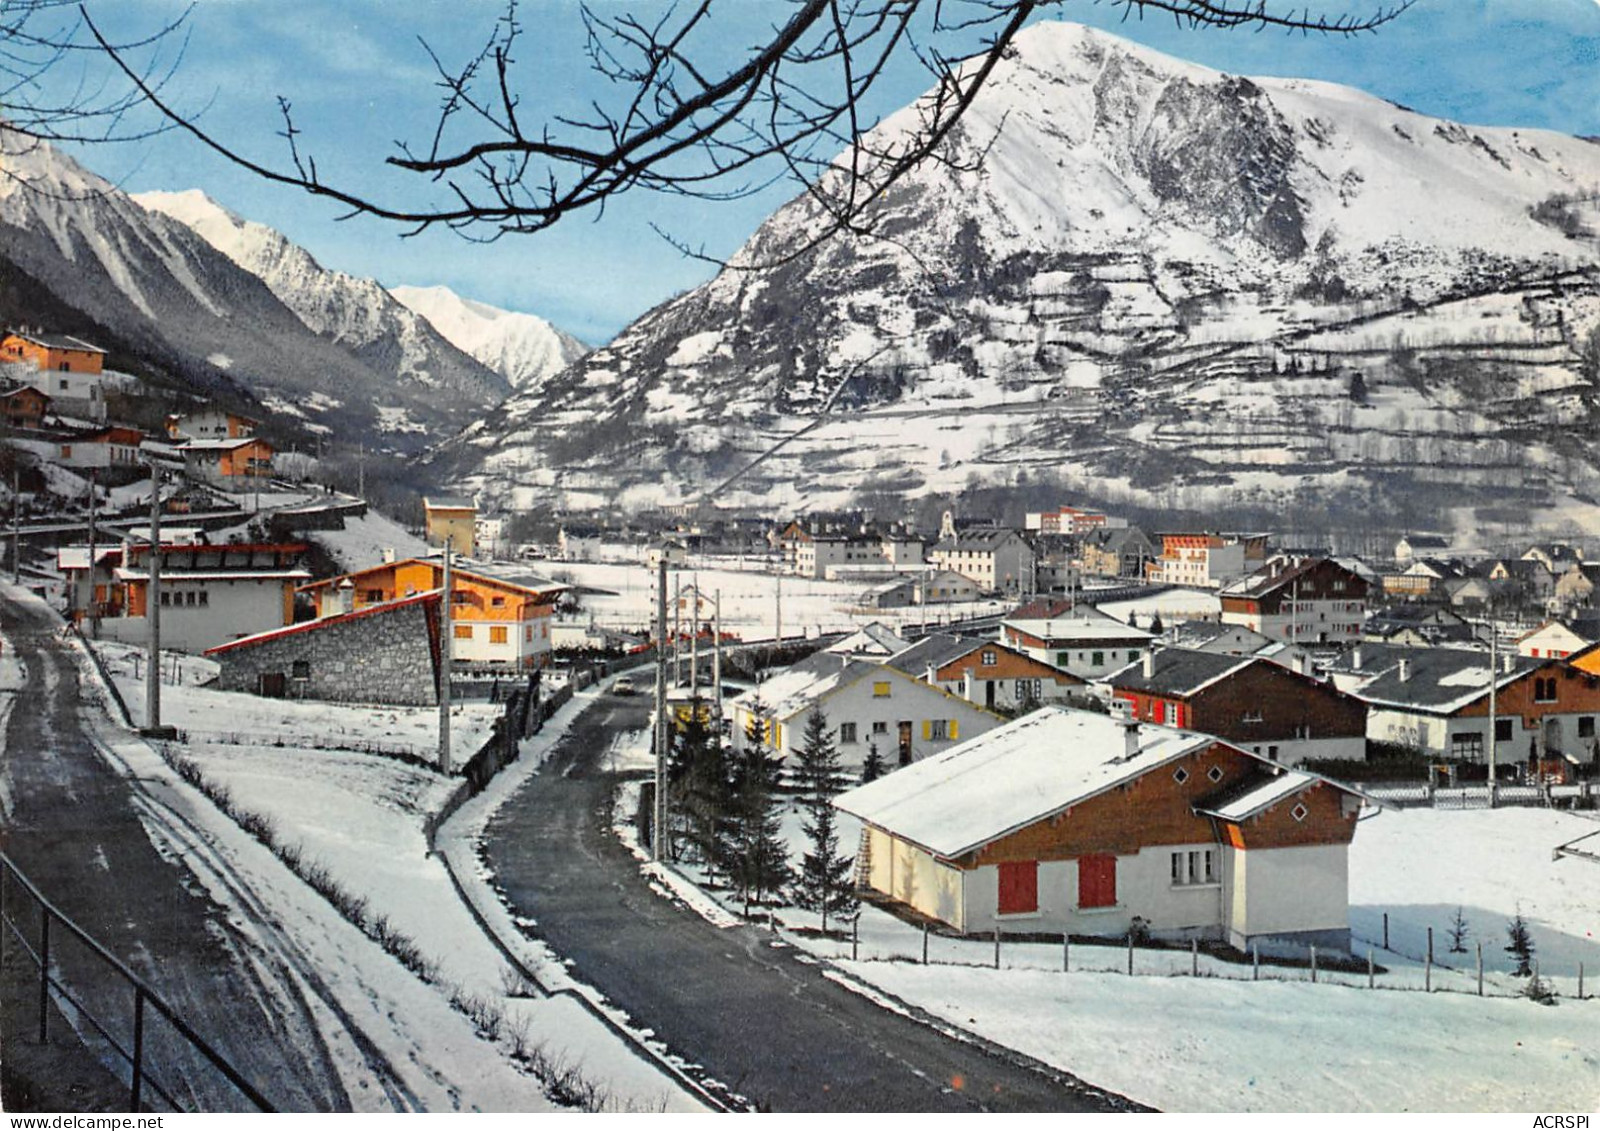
{"x":757,"y":1017}
{"x":82,"y":832}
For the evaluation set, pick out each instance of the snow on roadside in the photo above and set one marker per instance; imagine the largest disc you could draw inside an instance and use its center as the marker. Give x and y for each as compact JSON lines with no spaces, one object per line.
{"x":1227,"y":1043}
{"x":363,"y":824}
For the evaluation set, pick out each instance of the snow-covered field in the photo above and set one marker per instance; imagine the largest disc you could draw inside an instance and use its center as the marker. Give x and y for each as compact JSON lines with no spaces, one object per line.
{"x":1223,"y":1043}
{"x":363,"y":825}
{"x":752,"y":602}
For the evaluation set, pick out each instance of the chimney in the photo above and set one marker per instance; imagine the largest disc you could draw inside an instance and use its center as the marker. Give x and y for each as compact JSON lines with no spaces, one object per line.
{"x":1355,"y":660}
{"x":1130,"y":738}
{"x":1149,"y":667}
{"x":387,"y":555}
{"x":344,"y":597}
{"x":1505,"y":662}
{"x":1405,"y":670}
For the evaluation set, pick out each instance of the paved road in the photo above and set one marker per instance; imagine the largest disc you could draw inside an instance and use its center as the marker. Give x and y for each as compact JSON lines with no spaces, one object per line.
{"x":758,"y":1019}
{"x":73,"y":824}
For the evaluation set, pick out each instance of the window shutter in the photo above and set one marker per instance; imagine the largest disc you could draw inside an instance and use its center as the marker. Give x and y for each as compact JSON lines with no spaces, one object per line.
{"x":1019,"y":887}
{"x":927,"y":730}
{"x":955,"y":730}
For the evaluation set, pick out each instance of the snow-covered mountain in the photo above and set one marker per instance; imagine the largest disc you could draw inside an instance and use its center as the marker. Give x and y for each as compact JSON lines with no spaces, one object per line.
{"x":352,"y":312}
{"x":1160,"y":282}
{"x":77,"y":255}
{"x":523,"y":348}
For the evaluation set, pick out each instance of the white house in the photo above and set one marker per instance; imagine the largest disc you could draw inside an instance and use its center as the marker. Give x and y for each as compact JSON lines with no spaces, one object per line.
{"x":1551,"y":640}
{"x":867,"y":704}
{"x":996,"y":559}
{"x":1070,"y":821}
{"x":1081,"y":640}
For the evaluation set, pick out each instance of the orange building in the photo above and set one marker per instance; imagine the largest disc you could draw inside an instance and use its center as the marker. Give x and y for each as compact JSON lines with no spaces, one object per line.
{"x":54,"y":352}
{"x":227,"y":459}
{"x":496,"y":621}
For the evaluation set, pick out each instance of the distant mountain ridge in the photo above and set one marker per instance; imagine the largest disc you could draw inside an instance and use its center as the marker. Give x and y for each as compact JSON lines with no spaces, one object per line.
{"x":1160,"y":283}
{"x":523,"y":348}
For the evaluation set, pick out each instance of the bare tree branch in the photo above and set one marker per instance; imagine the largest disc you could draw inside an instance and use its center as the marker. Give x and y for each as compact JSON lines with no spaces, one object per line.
{"x":687,"y":122}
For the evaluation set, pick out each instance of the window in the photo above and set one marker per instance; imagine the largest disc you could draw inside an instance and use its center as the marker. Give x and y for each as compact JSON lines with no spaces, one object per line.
{"x":1019,"y":887}
{"x":1063,"y":659}
{"x":301,"y":669}
{"x":166,"y":599}
{"x":205,"y":598}
{"x":988,"y":658}
{"x":463,"y":632}
{"x":497,"y":602}
{"x":1098,"y":660}
{"x":1180,"y":775}
{"x":1466,"y":747}
{"x":527,"y":634}
{"x":497,"y":634}
{"x":1272,"y":752}
{"x":372,"y":596}
{"x":880,"y":727}
{"x":1299,"y":812}
{"x":1029,"y":689}
{"x":847,"y":732}
{"x":1544,"y":690}
{"x":191,"y":598}
{"x":1502,"y":730}
{"x":1585,"y":726}
{"x":1215,"y":772}
{"x":936,"y":730}
{"x":1133,"y":657}
{"x":1172,"y":714}
{"x":1252,"y":716}
{"x":1194,"y":867}
{"x":880,"y":690}
{"x":1097,"y":881}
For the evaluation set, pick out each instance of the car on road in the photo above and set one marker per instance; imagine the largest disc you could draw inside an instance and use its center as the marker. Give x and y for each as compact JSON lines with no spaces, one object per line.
{"x":623,"y":685}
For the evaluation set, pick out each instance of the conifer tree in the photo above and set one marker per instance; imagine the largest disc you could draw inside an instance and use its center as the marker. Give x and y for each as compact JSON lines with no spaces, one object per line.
{"x":823,"y":884}
{"x":1520,"y":946}
{"x":702,"y":787}
{"x":758,"y":858}
{"x":874,"y":767}
{"x":1458,"y":931}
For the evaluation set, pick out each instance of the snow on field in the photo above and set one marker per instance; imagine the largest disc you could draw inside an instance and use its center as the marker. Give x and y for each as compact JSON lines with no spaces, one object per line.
{"x":1226,"y":1043}
{"x":250,"y":719}
{"x":1173,"y":604}
{"x":363,"y":823}
{"x":363,"y":541}
{"x":751,"y":600}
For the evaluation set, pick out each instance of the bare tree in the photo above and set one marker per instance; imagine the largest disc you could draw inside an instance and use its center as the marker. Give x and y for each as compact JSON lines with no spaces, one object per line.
{"x":685,"y":120}
{"x":54,"y":85}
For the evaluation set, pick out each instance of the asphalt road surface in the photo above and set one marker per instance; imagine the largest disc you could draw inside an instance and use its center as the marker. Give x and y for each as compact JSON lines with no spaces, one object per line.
{"x":754,"y":1016}
{"x":83,"y":833}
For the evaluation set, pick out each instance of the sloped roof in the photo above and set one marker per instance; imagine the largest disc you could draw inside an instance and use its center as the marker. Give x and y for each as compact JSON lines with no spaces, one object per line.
{"x":448,"y":503}
{"x":1180,"y":671}
{"x":1277,"y":574}
{"x":936,"y":650}
{"x":1257,"y":793}
{"x":1079,"y":625}
{"x":977,"y":539}
{"x":1010,"y":777}
{"x":1438,"y":680}
{"x":56,"y":341}
{"x":429,"y":597}
{"x":876,"y":638}
{"x":803,"y":683}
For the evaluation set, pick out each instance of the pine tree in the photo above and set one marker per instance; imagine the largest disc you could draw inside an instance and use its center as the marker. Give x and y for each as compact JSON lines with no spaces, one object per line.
{"x":758,"y":859}
{"x":701,"y":787}
{"x":874,"y":767}
{"x":1521,"y":945}
{"x":1156,"y":628}
{"x":1458,"y":931}
{"x":823,"y":884}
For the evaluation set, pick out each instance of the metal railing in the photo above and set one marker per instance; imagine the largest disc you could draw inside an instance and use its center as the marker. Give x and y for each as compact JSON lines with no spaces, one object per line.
{"x":144,"y":998}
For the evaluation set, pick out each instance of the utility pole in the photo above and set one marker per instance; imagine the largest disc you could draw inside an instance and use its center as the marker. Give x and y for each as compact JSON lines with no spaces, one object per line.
{"x":94,"y":606}
{"x":658,"y":847}
{"x":16,"y":516}
{"x":777,"y":603}
{"x":152,"y":613}
{"x":1494,"y":679}
{"x":694,"y":635}
{"x":447,"y":644}
{"x":361,"y":470}
{"x":716,"y":651}
{"x":677,"y":628}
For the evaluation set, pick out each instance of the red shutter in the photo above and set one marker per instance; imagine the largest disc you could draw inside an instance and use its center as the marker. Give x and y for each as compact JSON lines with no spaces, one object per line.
{"x":1019,"y":887}
{"x":1097,"y":881}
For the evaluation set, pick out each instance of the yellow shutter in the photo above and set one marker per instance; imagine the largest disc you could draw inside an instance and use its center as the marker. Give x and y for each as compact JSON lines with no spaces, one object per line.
{"x":955,"y":730}
{"x":927,"y":729}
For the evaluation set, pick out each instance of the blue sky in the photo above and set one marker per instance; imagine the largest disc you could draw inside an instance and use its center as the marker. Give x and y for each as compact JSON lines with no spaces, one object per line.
{"x":359,"y":80}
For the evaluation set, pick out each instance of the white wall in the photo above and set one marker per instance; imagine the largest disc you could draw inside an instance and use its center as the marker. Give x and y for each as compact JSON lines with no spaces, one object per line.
{"x":1293,"y":752}
{"x":1287,"y":890}
{"x":234,"y":609}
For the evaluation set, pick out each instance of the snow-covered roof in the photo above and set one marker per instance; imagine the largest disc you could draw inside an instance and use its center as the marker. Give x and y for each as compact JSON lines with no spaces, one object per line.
{"x":168,"y":574}
{"x":57,"y":341}
{"x":1010,"y":777}
{"x":430,"y":596}
{"x":448,"y":503}
{"x":935,"y":651}
{"x":875,"y":638}
{"x":797,"y":687}
{"x":1255,"y":797}
{"x":226,"y":444}
{"x":1435,"y":680}
{"x":1180,"y":671}
{"x":1073,"y":626}
{"x":77,"y":557}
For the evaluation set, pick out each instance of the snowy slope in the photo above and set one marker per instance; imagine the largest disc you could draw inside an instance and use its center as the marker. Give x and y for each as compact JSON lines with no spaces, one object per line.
{"x":523,"y":348}
{"x":79,"y":256}
{"x":356,"y":313}
{"x":1157,"y":278}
